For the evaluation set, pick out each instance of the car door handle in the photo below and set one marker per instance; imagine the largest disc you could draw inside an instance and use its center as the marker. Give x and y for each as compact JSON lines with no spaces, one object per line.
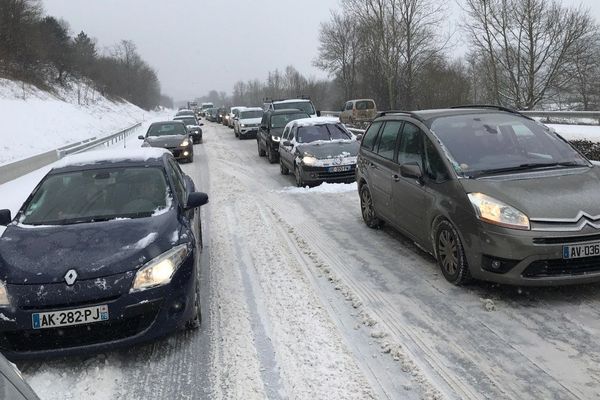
{"x":396,"y":178}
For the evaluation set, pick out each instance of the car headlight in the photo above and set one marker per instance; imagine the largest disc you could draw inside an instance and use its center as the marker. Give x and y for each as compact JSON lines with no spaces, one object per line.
{"x":309,"y":160}
{"x":161,"y":269}
{"x":3,"y":295}
{"x":275,"y":138}
{"x":185,"y":143}
{"x":243,"y":125}
{"x":496,"y":212}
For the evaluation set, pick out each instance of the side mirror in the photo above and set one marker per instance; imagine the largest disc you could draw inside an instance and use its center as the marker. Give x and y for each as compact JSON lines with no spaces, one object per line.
{"x":411,"y":170}
{"x":5,"y":217}
{"x":141,"y":137}
{"x":196,"y":199}
{"x":318,"y":113}
{"x":359,"y":137}
{"x":286,"y":143}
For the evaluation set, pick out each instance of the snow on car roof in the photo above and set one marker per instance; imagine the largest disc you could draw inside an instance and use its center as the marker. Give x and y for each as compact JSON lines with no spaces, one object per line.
{"x":313,"y":121}
{"x":252,"y":109}
{"x":291,"y":101}
{"x":111,"y":156}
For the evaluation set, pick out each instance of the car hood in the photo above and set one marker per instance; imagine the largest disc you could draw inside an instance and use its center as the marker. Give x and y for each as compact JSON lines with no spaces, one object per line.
{"x":165,"y":141}
{"x":193,"y":127}
{"x":562,"y":193}
{"x":330,"y":149}
{"x":276,"y":132}
{"x":41,"y":255}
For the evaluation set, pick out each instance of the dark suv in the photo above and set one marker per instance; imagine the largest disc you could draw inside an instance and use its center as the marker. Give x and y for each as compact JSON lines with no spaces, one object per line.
{"x":492,"y":194}
{"x":271,"y":127}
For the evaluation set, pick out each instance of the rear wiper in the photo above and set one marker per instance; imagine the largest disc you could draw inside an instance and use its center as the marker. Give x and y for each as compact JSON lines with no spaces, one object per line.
{"x":524,"y":167}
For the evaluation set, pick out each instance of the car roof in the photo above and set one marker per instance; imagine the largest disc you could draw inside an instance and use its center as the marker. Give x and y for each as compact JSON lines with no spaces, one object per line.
{"x":251,"y":109}
{"x":172,"y":121}
{"x":291,"y":101}
{"x":114,"y":157}
{"x":428,"y":116}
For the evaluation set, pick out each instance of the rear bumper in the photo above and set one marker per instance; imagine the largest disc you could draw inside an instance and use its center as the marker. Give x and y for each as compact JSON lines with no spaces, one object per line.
{"x":133,"y":318}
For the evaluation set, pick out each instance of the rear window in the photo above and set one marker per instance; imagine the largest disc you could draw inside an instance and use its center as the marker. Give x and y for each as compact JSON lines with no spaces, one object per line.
{"x":365,"y":105}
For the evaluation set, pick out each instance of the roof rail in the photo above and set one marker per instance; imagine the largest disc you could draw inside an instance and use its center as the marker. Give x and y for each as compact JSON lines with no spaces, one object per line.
{"x":409,"y":113}
{"x":492,"y":106}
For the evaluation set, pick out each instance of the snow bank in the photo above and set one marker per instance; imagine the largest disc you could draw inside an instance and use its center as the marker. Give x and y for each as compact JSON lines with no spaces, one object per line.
{"x":574,"y":132}
{"x":34,"y":121}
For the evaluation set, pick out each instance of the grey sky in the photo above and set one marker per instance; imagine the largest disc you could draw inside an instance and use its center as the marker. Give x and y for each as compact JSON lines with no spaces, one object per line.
{"x":199,"y":45}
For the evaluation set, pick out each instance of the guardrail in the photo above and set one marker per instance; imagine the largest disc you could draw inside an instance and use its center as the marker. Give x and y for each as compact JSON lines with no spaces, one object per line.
{"x":16,"y":169}
{"x":546,"y":116}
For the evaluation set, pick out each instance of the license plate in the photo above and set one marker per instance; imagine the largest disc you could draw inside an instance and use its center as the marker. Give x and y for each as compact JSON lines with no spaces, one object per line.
{"x":342,"y":168}
{"x":75,"y":316}
{"x":590,"y":249}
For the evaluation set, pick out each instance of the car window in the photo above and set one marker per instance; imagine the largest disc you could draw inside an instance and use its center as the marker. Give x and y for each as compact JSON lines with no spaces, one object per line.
{"x":435,"y":168}
{"x":166,"y":129}
{"x":286,"y":133}
{"x":348,"y":106}
{"x":178,"y":181}
{"x":370,"y":135}
{"x":387,"y":140}
{"x":97,"y":195}
{"x":365,"y":105}
{"x":281,"y":120}
{"x":411,"y":145}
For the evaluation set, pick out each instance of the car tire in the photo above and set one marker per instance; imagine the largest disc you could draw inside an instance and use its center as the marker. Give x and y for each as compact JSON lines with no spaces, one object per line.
{"x":450,"y":254}
{"x":298,"y":176}
{"x":271,"y":157}
{"x":367,"y":208}
{"x":282,"y":168}
{"x":196,"y":321}
{"x":261,"y":152}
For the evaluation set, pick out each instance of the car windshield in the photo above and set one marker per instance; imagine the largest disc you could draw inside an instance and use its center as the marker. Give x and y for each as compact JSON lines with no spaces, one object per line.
{"x":305,"y":106}
{"x":312,"y":133}
{"x":97,"y":195}
{"x":281,"y":120}
{"x":499,"y":142}
{"x":188,"y":121}
{"x":166,"y":129}
{"x":251,"y":114}
{"x":185,"y":113}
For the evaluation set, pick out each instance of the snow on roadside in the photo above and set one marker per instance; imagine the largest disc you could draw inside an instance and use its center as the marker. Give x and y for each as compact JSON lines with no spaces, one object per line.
{"x":34,"y":121}
{"x":322,"y":188}
{"x":98,"y":378}
{"x":575,"y":132}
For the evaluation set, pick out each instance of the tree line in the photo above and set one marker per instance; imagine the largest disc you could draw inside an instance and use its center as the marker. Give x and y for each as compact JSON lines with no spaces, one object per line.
{"x":39,"y":49}
{"x":522,"y":54}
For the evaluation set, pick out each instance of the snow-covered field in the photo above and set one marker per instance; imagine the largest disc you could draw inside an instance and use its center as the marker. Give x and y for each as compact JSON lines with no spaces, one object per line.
{"x":34,"y":121}
{"x":302,"y":301}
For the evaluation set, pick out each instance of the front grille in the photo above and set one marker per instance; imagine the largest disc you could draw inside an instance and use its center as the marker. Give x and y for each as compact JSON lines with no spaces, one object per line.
{"x":74,"y":336}
{"x":560,"y":267}
{"x":567,"y":239}
{"x":344,"y":175}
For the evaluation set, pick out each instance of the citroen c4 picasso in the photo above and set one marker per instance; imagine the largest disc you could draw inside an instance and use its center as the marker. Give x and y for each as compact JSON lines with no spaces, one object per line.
{"x":492,"y":194}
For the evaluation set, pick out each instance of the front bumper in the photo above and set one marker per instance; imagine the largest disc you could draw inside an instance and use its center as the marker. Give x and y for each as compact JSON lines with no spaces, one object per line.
{"x":248,"y":132}
{"x":133,"y":317}
{"x":314,"y":175}
{"x":532,"y":258}
{"x":182,"y":153}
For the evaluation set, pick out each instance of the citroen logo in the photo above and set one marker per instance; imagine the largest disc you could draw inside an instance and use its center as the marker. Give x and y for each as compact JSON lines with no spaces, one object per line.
{"x":70,"y":277}
{"x":338,"y":160}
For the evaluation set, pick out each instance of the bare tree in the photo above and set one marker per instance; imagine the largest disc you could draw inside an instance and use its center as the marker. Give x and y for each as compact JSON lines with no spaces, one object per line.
{"x":525,"y":45}
{"x":340,"y":48}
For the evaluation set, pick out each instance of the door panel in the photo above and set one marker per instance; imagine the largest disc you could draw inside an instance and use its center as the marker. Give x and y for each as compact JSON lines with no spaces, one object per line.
{"x":381,"y":168}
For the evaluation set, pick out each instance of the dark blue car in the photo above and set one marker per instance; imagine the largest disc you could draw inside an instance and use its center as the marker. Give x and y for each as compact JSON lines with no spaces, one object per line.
{"x":104,"y":253}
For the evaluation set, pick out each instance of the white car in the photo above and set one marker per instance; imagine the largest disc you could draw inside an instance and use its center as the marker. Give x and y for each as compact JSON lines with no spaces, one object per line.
{"x":300,"y":104}
{"x":246,"y":125}
{"x":234,"y":113}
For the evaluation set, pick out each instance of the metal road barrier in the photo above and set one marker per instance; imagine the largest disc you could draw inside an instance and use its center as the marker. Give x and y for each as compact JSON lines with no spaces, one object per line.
{"x":16,"y":169}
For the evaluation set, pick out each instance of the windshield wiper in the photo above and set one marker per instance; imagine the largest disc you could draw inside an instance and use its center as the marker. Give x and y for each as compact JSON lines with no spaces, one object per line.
{"x":528,"y":166}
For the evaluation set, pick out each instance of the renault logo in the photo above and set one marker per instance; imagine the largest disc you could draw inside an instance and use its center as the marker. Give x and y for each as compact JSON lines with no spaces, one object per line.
{"x":70,"y":277}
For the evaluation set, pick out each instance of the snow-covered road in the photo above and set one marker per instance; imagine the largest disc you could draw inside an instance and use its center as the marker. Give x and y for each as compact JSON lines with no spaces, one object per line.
{"x":301,"y":300}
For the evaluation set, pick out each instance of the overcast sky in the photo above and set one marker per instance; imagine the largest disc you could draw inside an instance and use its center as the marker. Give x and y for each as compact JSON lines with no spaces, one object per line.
{"x":199,"y":45}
